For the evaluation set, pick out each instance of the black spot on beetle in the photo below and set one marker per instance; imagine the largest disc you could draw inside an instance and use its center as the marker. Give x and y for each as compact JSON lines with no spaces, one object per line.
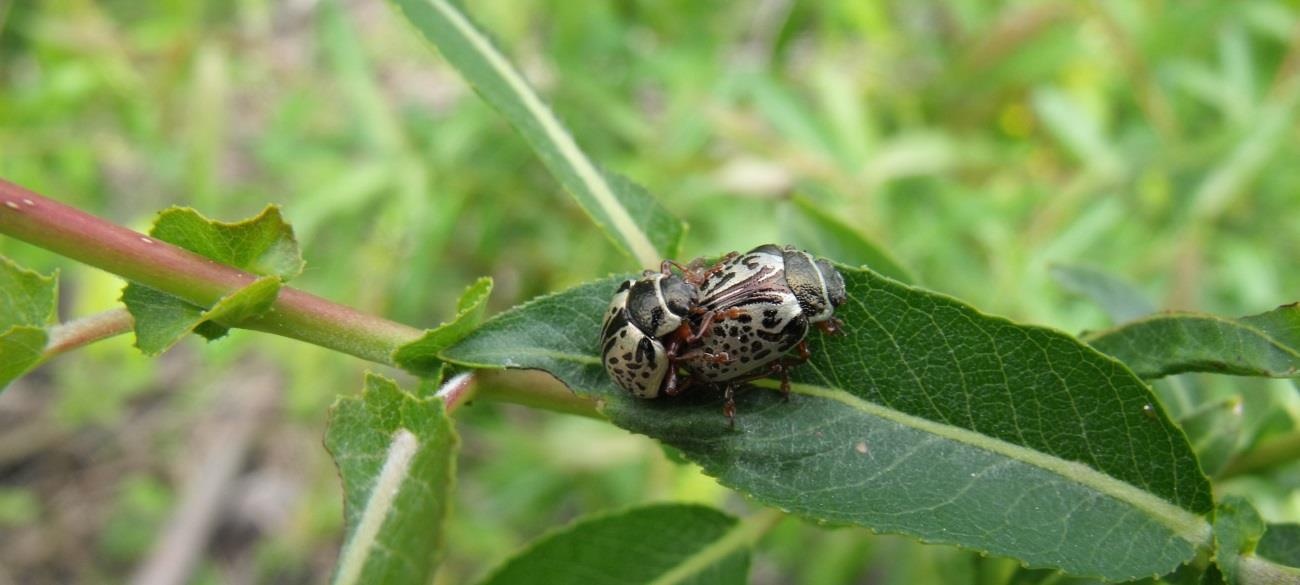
{"x":744,"y":318}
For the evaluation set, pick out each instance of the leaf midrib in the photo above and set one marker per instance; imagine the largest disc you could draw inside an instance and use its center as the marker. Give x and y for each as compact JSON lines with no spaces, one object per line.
{"x":1183,"y":523}
{"x":638,"y":242}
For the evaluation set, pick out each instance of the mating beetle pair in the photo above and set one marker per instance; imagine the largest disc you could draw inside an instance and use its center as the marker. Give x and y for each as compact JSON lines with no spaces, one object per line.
{"x":724,"y":324}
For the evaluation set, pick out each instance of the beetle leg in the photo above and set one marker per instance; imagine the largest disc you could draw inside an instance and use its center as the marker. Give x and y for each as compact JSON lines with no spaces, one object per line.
{"x":672,"y":387}
{"x":705,"y":323}
{"x":784,"y":372}
{"x":831,"y":326}
{"x":666,"y":266}
{"x":804,"y":354}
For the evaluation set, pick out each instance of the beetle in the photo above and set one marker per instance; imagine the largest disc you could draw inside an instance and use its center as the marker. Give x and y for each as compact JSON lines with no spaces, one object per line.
{"x":762,"y":304}
{"x":646,"y":325}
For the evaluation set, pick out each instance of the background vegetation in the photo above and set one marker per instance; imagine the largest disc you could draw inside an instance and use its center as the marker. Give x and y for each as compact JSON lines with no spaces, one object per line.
{"x":978,"y":142}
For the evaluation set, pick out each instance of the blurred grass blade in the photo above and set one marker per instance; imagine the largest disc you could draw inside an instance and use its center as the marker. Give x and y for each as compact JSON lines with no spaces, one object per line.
{"x":1267,"y":344}
{"x":263,"y":245}
{"x":1214,"y":430}
{"x":656,"y":544}
{"x":27,"y":304}
{"x":927,"y":418}
{"x":1118,"y":298}
{"x":814,"y":229}
{"x":395,"y":454}
{"x":627,"y":213}
{"x":1238,"y":533}
{"x":420,"y":357}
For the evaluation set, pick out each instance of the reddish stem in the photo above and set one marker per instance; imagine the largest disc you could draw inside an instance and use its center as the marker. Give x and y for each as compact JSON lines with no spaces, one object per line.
{"x":136,"y":257}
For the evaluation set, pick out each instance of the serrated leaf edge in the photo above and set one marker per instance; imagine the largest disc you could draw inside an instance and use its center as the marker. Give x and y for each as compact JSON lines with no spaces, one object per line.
{"x":207,"y":313}
{"x":51,"y":280}
{"x":1187,"y":525}
{"x":473,"y":299}
{"x":271,"y":210}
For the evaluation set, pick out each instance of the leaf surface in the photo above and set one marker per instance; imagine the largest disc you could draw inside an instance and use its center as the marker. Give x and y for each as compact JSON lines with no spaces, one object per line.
{"x":927,"y":418}
{"x":27,"y":304}
{"x":395,"y":454}
{"x":632,"y":219}
{"x":263,"y":245}
{"x":1267,"y":344}
{"x":677,"y":543}
{"x":161,"y":320}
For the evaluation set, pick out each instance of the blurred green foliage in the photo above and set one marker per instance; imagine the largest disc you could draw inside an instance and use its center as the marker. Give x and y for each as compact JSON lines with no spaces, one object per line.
{"x":979,"y":142}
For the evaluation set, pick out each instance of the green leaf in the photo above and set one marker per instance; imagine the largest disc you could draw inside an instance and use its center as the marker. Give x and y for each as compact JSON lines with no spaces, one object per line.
{"x":1238,"y":530}
{"x":27,"y":304}
{"x":1281,"y":543}
{"x":928,"y":418}
{"x":1267,"y":344}
{"x":814,"y":229}
{"x":632,"y":219}
{"x":21,"y":349}
{"x":1120,"y":299}
{"x":395,"y":454}
{"x":420,"y":357}
{"x":663,"y":543}
{"x":263,"y":245}
{"x":161,"y":320}
{"x":26,"y":297}
{"x":1214,"y":430}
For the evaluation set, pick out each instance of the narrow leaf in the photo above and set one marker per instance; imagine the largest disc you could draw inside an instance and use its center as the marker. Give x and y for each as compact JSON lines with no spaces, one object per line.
{"x":395,"y":454}
{"x":420,"y":357}
{"x":664,"y":543}
{"x":27,"y":304}
{"x":1214,"y":430}
{"x":263,"y":245}
{"x":1267,"y":344}
{"x":627,"y":213}
{"x":161,"y":320}
{"x":812,"y":228}
{"x":928,"y":418}
{"x":1120,"y":299}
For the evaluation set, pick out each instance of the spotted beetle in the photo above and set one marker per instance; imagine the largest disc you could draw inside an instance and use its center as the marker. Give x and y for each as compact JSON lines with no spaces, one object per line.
{"x":762,"y":304}
{"x":647,"y":324}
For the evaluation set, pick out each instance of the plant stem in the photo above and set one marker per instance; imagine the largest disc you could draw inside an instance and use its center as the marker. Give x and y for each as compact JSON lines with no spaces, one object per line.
{"x":295,"y":314}
{"x":189,"y":276}
{"x":87,"y":330}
